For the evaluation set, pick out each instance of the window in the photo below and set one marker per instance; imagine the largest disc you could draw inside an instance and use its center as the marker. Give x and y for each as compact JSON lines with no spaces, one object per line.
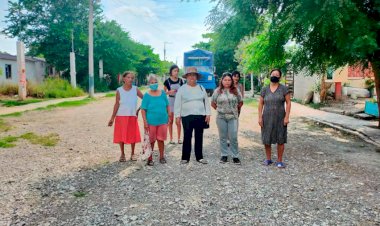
{"x":330,"y":73}
{"x":8,"y":71}
{"x":355,"y":72}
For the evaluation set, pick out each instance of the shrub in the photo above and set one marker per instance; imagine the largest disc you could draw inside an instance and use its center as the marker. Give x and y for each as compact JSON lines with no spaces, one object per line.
{"x":9,"y":89}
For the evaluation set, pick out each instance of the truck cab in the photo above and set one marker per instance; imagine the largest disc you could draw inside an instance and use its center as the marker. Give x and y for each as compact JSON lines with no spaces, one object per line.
{"x":204,"y":62}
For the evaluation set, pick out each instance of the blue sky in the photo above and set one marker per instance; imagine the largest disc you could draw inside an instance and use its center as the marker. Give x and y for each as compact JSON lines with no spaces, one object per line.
{"x":151,"y":22}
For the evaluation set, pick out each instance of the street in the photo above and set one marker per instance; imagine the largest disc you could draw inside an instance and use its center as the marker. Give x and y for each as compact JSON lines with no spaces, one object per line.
{"x":331,"y":178}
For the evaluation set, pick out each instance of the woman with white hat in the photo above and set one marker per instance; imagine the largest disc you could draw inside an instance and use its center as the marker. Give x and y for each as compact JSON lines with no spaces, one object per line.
{"x":193,"y":107}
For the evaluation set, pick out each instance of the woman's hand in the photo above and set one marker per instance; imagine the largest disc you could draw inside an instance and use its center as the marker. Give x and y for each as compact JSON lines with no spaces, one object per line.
{"x":110,"y":123}
{"x":286,"y":121}
{"x":261,"y":121}
{"x":207,"y":119}
{"x":178,"y":120}
{"x":146,"y":125}
{"x":171,"y":92}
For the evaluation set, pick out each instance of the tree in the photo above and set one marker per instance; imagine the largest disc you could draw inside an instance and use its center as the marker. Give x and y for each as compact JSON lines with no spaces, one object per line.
{"x":46,"y":27}
{"x":339,"y":33}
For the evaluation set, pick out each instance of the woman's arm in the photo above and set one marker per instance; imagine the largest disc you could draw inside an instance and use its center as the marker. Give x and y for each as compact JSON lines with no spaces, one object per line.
{"x":242,"y":91}
{"x":287,"y":111}
{"x":178,"y":105}
{"x":261,"y":105}
{"x":139,"y":94}
{"x":143,"y":113}
{"x":115,"y":109}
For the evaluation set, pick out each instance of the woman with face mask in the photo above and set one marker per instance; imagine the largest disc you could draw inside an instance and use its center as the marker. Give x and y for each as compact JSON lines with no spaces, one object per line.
{"x":274,"y":117}
{"x":155,"y":113}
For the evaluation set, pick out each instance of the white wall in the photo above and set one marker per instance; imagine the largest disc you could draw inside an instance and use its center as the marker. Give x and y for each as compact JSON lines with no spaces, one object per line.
{"x":35,"y":71}
{"x":303,"y":84}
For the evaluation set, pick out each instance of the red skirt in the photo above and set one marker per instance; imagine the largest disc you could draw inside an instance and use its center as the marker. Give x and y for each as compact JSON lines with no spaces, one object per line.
{"x":126,"y":130}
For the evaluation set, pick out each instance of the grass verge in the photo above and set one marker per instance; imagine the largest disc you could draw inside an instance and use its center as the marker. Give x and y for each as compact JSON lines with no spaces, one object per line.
{"x":4,"y":127}
{"x":48,"y":140}
{"x":252,"y":102}
{"x":12,"y":103}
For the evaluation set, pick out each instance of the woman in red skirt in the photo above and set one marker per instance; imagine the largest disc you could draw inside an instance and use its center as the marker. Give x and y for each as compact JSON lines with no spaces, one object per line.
{"x":124,"y":115}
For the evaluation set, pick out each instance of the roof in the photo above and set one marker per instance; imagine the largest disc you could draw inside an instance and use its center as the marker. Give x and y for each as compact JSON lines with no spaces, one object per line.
{"x":6,"y":56}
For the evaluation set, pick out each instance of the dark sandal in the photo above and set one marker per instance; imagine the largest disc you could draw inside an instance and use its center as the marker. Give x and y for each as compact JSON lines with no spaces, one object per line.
{"x":122,"y":159}
{"x":163,"y":161}
{"x":150,"y":163}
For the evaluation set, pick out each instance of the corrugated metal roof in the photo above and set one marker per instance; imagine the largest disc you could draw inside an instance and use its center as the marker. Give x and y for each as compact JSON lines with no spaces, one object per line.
{"x":6,"y":56}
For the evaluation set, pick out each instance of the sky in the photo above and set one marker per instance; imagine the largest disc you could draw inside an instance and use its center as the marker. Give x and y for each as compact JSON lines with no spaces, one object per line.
{"x":181,"y":23}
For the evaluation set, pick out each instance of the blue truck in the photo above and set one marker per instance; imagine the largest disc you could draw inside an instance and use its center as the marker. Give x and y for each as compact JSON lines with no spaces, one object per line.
{"x":204,"y":62}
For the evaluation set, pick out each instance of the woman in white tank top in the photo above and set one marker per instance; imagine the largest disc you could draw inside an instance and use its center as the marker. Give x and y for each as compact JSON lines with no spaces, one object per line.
{"x":126,"y":130}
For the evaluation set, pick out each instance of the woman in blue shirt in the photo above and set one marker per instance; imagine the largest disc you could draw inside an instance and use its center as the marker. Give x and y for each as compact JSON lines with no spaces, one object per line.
{"x":155,"y":113}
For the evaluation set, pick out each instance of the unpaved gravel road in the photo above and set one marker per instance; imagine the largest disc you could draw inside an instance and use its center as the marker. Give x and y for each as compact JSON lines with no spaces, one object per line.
{"x":331,"y":178}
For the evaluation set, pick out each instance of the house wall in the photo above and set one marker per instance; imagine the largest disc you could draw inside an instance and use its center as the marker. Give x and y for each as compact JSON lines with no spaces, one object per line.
{"x":303,"y":84}
{"x":35,"y":71}
{"x":341,"y":75}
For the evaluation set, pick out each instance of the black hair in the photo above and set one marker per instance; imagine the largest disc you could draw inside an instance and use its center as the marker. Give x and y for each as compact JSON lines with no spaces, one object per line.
{"x":226,"y":74}
{"x":236,"y":73}
{"x":276,"y":69}
{"x":172,"y":68}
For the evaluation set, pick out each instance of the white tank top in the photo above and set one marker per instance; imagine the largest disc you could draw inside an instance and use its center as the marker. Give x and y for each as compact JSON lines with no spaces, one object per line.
{"x":128,"y":102}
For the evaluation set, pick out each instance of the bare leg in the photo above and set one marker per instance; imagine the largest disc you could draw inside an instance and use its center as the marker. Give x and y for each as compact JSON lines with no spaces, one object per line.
{"x":170,"y":125}
{"x":280,"y":152}
{"x":151,"y":155}
{"x":268,"y":151}
{"x":122,"y":154}
{"x":179,"y":130}
{"x":161,"y":147}
{"x":133,"y":149}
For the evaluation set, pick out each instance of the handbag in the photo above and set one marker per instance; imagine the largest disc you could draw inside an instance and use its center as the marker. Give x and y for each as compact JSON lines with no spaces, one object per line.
{"x":146,"y":149}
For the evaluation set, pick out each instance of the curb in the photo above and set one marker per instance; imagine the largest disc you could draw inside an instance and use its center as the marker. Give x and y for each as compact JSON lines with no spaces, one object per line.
{"x":363,"y":136}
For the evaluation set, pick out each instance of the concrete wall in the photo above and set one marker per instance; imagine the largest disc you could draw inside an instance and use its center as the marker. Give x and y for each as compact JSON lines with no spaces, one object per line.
{"x":303,"y":84}
{"x":35,"y":71}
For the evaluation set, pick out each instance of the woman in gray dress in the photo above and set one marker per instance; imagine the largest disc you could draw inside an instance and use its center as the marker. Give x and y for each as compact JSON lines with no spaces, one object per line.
{"x":274,"y":117}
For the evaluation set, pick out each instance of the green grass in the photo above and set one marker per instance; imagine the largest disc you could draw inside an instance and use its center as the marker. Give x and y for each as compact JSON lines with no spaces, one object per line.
{"x":75,"y":103}
{"x":8,"y":142}
{"x":110,"y":95}
{"x":16,"y":114}
{"x":12,"y":103}
{"x":251,"y":102}
{"x":4,"y":127}
{"x":48,"y":140}
{"x":80,"y":194}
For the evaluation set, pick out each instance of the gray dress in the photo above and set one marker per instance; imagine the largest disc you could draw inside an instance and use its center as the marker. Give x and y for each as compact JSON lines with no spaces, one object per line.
{"x":273,"y":130}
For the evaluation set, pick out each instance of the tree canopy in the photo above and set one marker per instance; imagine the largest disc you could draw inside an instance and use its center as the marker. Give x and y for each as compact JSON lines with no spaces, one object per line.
{"x":46,"y":27}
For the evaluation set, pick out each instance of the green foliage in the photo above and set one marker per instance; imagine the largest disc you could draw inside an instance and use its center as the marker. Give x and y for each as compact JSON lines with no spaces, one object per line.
{"x":55,"y":88}
{"x":57,"y":20}
{"x":8,"y":142}
{"x":252,"y":102}
{"x":75,"y":103}
{"x":4,"y":126}
{"x":16,"y":114}
{"x":12,"y":103}
{"x":48,"y":140}
{"x":110,"y":95}
{"x":80,"y":194}
{"x":8,"y":89}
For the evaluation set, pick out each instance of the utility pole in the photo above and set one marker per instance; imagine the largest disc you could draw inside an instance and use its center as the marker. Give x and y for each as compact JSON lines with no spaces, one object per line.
{"x":73,"y":72}
{"x":252,"y":87}
{"x":101,"y":69}
{"x":21,"y":64}
{"x":91,"y":89}
{"x":21,"y":70}
{"x":165,"y":49}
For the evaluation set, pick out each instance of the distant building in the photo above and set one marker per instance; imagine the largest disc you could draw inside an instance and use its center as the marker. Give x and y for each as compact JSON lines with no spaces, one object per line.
{"x":36,"y":69}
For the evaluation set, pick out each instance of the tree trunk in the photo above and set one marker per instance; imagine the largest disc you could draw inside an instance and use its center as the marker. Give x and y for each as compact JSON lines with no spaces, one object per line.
{"x":376,"y":71}
{"x":323,"y":92}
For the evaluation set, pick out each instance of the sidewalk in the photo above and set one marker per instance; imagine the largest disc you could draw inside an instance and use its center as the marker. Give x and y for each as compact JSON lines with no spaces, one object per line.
{"x":28,"y":107}
{"x":361,"y":128}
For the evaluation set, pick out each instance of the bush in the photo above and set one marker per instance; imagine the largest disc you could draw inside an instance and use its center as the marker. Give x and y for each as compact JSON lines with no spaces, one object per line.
{"x":54,"y":88}
{"x":50,"y":88}
{"x":8,"y":89}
